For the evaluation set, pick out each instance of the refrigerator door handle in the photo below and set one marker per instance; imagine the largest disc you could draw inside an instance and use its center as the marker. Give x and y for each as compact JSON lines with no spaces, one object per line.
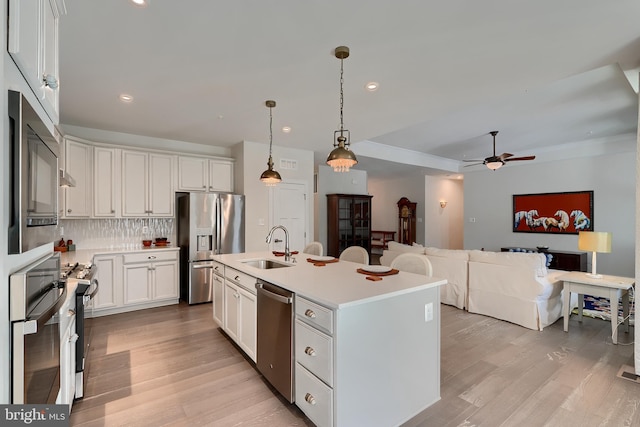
{"x":219,"y":225}
{"x":197,"y":267}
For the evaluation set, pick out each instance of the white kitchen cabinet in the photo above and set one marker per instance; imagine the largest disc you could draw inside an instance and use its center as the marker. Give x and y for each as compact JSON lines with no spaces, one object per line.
{"x":150,"y":277}
{"x":78,"y":162}
{"x":33,"y":45}
{"x":218,"y":293}
{"x":104,"y":182}
{"x":69,"y":337}
{"x":204,"y":174}
{"x":240,"y":310}
{"x":109,"y":275}
{"x":147,"y":184}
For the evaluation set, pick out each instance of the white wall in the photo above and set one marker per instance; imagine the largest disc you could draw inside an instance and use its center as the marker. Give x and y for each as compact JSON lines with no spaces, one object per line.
{"x":444,"y":227}
{"x":252,"y":159}
{"x":488,"y":199}
{"x":386,"y":194}
{"x":330,"y":182}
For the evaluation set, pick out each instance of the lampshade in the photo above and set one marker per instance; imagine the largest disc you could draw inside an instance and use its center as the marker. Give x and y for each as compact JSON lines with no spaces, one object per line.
{"x":594,"y":241}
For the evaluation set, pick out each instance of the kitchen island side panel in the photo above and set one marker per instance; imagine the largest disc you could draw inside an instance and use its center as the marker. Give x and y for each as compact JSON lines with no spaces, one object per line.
{"x":387,"y":360}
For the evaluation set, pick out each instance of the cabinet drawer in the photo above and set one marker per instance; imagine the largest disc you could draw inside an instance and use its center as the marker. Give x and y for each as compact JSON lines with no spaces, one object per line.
{"x":150,"y":256}
{"x":314,"y":351}
{"x":315,"y":314}
{"x":240,"y":278}
{"x":218,"y":268}
{"x":313,"y":397}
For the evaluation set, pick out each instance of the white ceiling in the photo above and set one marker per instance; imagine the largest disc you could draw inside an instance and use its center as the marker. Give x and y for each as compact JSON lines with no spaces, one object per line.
{"x":542,"y":73}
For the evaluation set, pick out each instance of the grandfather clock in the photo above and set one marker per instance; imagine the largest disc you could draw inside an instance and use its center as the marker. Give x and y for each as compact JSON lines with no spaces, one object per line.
{"x":407,"y":221}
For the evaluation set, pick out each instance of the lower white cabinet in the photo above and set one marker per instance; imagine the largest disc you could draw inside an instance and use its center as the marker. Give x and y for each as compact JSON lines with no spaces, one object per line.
{"x":109,"y":275}
{"x":136,"y":280}
{"x":68,"y":338}
{"x":150,"y":277}
{"x":240,"y":310}
{"x":218,"y":294}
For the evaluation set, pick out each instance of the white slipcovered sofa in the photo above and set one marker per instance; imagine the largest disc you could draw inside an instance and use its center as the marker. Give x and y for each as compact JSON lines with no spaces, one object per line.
{"x":516,"y":287}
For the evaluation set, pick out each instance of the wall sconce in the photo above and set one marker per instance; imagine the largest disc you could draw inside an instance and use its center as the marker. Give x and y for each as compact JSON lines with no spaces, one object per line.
{"x":443,"y":203}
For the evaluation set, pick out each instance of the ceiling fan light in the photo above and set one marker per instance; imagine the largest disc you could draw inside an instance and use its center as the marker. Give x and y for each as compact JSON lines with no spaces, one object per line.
{"x":494,"y":165}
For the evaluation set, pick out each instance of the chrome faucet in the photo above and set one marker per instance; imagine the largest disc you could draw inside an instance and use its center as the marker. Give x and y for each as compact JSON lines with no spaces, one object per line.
{"x":287,"y":252}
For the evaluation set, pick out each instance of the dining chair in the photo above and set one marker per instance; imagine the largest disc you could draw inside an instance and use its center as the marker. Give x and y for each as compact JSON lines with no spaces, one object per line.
{"x":355,"y":254}
{"x":314,"y":248}
{"x":413,"y":263}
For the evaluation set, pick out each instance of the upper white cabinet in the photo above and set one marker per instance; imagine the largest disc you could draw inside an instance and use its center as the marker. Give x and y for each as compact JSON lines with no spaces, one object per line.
{"x":33,"y":45}
{"x":77,"y":164}
{"x":147,"y":184}
{"x":104,"y":182}
{"x":204,"y":174}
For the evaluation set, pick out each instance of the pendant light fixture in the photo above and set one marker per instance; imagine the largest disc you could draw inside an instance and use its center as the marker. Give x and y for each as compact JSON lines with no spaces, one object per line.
{"x":341,"y":158}
{"x":270,"y":177}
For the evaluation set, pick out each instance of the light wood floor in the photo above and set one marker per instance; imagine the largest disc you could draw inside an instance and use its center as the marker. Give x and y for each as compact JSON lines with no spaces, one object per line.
{"x":171,"y":366}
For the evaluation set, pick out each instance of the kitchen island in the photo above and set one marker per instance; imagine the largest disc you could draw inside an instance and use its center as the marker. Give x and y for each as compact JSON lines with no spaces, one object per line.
{"x":366,"y":352}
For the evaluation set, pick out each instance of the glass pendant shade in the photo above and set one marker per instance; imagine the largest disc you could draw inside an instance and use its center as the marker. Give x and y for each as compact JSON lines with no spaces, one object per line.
{"x":270,"y":177}
{"x":494,"y":165}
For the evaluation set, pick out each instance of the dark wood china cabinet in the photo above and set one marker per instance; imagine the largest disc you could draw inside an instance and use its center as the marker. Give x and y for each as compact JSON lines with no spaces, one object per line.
{"x":349,"y":222}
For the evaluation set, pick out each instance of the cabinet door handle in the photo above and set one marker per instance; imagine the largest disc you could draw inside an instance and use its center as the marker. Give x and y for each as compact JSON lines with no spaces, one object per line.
{"x":68,"y":210}
{"x":237,"y":278}
{"x":310,"y":351}
{"x":151,"y":257}
{"x":310,"y":399}
{"x":113,"y":211}
{"x":310,"y":313}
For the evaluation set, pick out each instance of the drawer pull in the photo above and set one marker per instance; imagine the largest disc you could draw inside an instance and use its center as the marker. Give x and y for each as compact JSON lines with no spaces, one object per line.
{"x":310,"y":313}
{"x":310,"y":399}
{"x":310,"y":351}
{"x":237,"y":278}
{"x":151,"y":257}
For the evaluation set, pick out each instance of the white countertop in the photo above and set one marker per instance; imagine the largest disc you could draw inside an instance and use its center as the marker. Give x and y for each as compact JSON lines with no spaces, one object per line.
{"x":84,"y":256}
{"x":335,"y":285}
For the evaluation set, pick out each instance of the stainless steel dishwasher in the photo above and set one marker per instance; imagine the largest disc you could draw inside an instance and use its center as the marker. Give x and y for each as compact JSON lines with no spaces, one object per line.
{"x":275,"y":337}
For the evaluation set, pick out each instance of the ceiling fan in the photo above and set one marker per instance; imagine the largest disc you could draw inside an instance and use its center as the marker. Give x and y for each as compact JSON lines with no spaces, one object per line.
{"x":495,"y":162}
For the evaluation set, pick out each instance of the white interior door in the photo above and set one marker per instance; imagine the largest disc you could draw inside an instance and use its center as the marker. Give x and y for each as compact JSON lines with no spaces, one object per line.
{"x":290,"y":208}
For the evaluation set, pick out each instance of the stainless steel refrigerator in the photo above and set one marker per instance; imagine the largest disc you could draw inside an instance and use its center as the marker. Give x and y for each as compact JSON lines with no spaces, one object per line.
{"x":207,"y":224}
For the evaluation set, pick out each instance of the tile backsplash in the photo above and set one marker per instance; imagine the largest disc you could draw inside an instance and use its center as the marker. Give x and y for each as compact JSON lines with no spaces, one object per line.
{"x":115,"y":233}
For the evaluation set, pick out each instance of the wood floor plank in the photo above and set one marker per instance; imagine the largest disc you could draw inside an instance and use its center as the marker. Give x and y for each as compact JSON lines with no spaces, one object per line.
{"x":171,"y":366}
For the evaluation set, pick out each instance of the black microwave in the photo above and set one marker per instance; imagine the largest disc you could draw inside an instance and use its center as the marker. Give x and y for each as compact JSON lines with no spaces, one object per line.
{"x":33,"y":180}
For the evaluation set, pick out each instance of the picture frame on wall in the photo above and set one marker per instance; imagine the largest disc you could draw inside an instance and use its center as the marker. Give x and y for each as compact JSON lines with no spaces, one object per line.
{"x":554,"y":213}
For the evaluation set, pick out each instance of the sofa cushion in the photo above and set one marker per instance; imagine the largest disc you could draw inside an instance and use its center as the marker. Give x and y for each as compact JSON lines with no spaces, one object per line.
{"x":448,"y":253}
{"x":535,"y":261}
{"x":400,"y":247}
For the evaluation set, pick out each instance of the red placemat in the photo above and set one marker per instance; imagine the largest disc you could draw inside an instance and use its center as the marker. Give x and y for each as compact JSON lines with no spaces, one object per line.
{"x":278,"y":253}
{"x":371,"y":273}
{"x":321,"y":263}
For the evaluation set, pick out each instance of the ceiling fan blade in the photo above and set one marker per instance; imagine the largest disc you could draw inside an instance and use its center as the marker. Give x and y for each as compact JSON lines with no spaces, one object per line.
{"x":505,"y":155}
{"x":520,"y":158}
{"x":477,"y":160}
{"x":474,"y":164}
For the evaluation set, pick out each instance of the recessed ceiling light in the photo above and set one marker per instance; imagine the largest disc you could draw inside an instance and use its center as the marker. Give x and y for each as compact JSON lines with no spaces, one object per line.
{"x":140,"y":3}
{"x":126,"y":98}
{"x":371,"y":86}
{"x":286,"y":129}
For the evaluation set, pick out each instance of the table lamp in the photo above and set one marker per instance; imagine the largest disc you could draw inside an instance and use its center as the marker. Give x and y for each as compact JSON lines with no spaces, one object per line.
{"x":594,"y":241}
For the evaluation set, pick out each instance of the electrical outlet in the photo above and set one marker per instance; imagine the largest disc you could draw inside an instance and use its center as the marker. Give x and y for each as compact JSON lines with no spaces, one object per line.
{"x":428,"y":312}
{"x":61,"y":231}
{"x":145,"y":230}
{"x":472,"y":220}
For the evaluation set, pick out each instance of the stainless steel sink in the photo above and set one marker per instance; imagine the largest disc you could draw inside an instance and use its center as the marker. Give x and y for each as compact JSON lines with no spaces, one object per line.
{"x":265,"y":264}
